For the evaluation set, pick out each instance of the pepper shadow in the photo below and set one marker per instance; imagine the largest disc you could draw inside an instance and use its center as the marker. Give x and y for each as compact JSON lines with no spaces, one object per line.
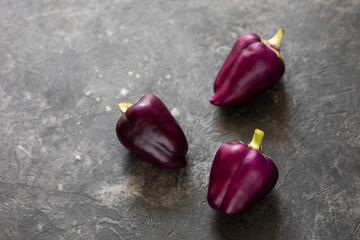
{"x":154,"y":186}
{"x":262,"y":222}
{"x":267,"y":111}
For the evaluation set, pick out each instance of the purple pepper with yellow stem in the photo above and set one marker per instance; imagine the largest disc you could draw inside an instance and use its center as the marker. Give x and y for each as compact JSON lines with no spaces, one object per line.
{"x":241,"y":175}
{"x":253,"y":65}
{"x":148,"y":129}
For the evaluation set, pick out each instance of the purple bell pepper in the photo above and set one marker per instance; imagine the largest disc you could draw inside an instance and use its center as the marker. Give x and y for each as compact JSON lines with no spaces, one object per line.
{"x":253,"y":65}
{"x":148,"y":129}
{"x":240,"y":176}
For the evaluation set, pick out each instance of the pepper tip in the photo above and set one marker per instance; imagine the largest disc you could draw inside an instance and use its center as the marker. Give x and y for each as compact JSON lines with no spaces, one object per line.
{"x":213,"y":100}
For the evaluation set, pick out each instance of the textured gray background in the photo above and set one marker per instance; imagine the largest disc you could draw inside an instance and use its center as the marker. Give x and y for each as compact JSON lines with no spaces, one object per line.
{"x":64,"y":66}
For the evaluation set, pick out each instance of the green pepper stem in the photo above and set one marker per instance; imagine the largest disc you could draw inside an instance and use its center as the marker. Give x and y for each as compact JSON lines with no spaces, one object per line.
{"x":275,"y":41}
{"x":123,"y":106}
{"x":256,"y":142}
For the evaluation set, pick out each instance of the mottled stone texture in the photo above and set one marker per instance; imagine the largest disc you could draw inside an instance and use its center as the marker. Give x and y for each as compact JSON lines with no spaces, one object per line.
{"x":64,"y":66}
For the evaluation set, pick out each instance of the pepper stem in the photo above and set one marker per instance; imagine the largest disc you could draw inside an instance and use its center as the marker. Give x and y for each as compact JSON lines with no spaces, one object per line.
{"x":275,"y":41}
{"x":123,"y":106}
{"x":256,"y":142}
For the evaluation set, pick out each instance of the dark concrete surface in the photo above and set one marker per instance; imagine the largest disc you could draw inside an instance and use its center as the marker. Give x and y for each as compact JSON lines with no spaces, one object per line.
{"x":65,"y":65}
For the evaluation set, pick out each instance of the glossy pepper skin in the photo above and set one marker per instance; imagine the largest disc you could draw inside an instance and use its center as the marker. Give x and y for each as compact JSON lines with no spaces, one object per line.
{"x":253,"y":65}
{"x":240,"y":176}
{"x":148,"y":129}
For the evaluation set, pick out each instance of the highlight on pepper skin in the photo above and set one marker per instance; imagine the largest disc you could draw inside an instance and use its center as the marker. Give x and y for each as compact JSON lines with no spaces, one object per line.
{"x":148,"y":129}
{"x":241,"y":175}
{"x":252,"y":66}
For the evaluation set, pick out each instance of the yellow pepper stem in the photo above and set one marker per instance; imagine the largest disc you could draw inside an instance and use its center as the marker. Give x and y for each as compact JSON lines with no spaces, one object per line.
{"x":123,"y":106}
{"x":275,"y":41}
{"x":256,"y":142}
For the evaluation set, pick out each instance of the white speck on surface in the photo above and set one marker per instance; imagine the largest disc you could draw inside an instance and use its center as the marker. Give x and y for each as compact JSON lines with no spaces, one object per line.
{"x":100,"y":36}
{"x":189,"y":118}
{"x":79,"y":232}
{"x":31,"y":180}
{"x":67,"y":116}
{"x":97,"y":99}
{"x":40,"y":226}
{"x":24,"y":150}
{"x":130,"y":73}
{"x":175,"y":112}
{"x":108,"y":108}
{"x":158,"y":82}
{"x":27,"y":95}
{"x":171,"y":21}
{"x":137,"y":75}
{"x":43,"y":150}
{"x":294,"y":100}
{"x":96,"y":70}
{"x":60,"y":187}
{"x":100,"y":75}
{"x":60,"y":51}
{"x":78,"y":123}
{"x":115,"y":231}
{"x":123,"y":92}
{"x":87,"y":93}
{"x":77,"y":157}
{"x":234,"y":35}
{"x":98,"y":226}
{"x":109,"y":33}
{"x":168,"y":76}
{"x":87,"y":162}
